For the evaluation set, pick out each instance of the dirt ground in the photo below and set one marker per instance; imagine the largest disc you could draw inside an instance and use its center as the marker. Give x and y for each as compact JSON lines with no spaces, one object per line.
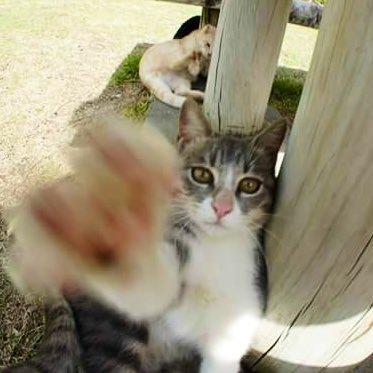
{"x":55,"y":55}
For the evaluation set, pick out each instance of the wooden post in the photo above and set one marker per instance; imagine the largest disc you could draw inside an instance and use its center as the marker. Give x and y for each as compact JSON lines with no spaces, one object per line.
{"x":320,"y":249}
{"x":210,"y":12}
{"x":210,"y":16}
{"x":244,"y":61}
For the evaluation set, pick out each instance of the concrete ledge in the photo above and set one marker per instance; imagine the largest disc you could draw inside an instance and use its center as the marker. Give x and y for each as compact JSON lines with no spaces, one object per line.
{"x":166,"y":118}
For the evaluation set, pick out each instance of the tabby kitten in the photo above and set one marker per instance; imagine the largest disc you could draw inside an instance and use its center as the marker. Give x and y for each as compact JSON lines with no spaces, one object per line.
{"x":195,"y":293}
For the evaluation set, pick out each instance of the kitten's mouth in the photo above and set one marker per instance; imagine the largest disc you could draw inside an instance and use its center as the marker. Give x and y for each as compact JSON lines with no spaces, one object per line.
{"x":216,"y":224}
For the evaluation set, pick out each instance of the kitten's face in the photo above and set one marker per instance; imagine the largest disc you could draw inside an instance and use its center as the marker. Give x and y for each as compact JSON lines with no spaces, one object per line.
{"x":229,"y":180}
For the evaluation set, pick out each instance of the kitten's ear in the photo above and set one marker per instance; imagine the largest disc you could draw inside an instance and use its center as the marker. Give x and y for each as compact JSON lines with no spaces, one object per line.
{"x":192,"y":122}
{"x":207,"y":29}
{"x":273,"y":135}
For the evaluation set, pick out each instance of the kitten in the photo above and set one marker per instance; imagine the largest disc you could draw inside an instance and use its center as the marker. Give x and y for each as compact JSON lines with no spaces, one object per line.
{"x":195,"y":287}
{"x":168,"y":69}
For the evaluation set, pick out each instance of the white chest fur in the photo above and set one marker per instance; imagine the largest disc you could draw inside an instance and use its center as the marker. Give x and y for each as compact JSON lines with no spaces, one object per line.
{"x":219,"y":288}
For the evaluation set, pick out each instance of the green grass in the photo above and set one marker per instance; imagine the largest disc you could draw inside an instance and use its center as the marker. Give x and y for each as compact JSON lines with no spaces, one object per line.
{"x":128,"y":70}
{"x":137,"y":111}
{"x":286,"y":90}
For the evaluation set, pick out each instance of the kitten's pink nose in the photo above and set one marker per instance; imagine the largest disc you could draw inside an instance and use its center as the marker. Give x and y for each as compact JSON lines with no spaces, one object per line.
{"x":222,"y":205}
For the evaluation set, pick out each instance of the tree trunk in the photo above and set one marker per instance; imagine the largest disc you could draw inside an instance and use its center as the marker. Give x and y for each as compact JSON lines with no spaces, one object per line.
{"x":320,"y":249}
{"x":244,"y":61}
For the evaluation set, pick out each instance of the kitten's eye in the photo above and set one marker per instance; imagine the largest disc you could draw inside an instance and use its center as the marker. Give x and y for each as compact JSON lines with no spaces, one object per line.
{"x":208,"y":45}
{"x":202,"y":175}
{"x":249,"y":185}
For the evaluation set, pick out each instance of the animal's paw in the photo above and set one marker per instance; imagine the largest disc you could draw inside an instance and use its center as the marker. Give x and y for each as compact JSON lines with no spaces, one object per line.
{"x":113,"y":209}
{"x":197,"y":95}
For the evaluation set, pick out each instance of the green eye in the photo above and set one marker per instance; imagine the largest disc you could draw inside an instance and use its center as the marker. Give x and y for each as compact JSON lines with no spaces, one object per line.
{"x":202,"y":175}
{"x":249,"y":185}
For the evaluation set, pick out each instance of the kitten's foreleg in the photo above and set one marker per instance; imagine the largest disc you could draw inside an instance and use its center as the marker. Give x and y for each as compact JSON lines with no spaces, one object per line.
{"x":194,"y":66}
{"x":104,"y":233}
{"x":162,"y":90}
{"x":153,"y":285}
{"x":225,"y":346}
{"x":193,"y":93}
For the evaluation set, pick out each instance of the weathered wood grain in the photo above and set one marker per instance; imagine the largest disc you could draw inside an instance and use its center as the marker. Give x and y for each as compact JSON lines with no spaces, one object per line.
{"x":244,"y":61}
{"x":209,"y":16}
{"x":320,"y":249}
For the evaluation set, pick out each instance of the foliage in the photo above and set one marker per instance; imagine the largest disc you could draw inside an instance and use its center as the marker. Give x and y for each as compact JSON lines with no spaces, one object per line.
{"x":128,"y":70}
{"x":286,"y":90}
{"x":137,"y":111}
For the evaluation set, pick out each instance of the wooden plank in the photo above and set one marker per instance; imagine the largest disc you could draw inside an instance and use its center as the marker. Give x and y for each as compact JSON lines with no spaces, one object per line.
{"x":309,"y":15}
{"x":244,"y":62}
{"x":205,"y":3}
{"x":320,"y":249}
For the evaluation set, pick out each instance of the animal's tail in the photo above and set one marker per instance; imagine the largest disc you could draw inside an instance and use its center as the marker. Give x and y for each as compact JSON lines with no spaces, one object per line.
{"x":161,"y":90}
{"x":59,"y":349}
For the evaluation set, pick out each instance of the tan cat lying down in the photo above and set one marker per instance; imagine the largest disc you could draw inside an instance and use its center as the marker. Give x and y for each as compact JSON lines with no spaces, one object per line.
{"x":168,"y":69}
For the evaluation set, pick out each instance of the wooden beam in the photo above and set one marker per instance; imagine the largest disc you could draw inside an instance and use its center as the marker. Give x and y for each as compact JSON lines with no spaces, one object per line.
{"x":205,"y":3}
{"x":244,"y":60}
{"x":320,"y":249}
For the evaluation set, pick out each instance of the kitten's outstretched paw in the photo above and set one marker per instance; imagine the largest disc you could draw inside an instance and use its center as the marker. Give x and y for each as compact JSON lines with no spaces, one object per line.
{"x":115,"y":207}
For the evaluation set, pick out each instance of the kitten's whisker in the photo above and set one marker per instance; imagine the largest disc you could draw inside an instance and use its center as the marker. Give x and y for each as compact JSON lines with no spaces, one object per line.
{"x":278,"y":216}
{"x":181,"y":220}
{"x":269,"y":232}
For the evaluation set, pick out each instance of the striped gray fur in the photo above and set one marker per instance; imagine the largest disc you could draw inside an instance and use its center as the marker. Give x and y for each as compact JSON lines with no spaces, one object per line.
{"x":109,"y":342}
{"x":105,"y":341}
